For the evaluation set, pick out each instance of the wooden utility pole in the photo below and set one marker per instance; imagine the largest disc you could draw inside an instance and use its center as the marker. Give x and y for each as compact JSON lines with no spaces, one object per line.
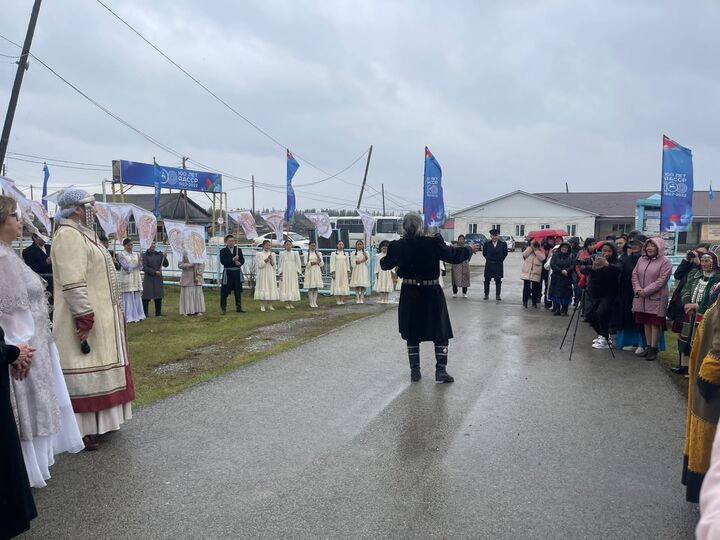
{"x":383,"y":197}
{"x":367,"y":166}
{"x":253,"y":194}
{"x":19,"y":74}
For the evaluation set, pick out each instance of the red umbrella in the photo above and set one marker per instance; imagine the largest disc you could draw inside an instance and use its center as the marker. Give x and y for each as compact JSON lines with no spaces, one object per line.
{"x":547,"y":233}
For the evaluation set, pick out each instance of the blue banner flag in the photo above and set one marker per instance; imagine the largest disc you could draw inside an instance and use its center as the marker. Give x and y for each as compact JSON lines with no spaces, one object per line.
{"x":158,"y":173}
{"x":46,"y":174}
{"x":711,"y":193}
{"x":143,"y":174}
{"x":433,"y":202}
{"x":677,"y":187}
{"x":292,"y":167}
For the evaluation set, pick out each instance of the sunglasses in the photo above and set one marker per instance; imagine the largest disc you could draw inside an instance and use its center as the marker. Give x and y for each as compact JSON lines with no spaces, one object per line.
{"x":17,"y":213}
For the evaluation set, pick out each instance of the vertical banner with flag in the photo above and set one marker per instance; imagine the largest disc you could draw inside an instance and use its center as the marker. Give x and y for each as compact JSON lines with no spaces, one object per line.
{"x":433,"y":202}
{"x":292,"y":167}
{"x":157,"y":182}
{"x":46,"y":176}
{"x":711,"y":193}
{"x":677,"y":187}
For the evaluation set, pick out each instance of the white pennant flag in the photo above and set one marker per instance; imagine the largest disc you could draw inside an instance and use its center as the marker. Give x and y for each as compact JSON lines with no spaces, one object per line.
{"x":275,"y":222}
{"x":368,"y":221}
{"x":322,"y":224}
{"x":186,"y":239}
{"x":41,"y":215}
{"x":114,"y":218}
{"x":247,"y":221}
{"x":146,"y":224}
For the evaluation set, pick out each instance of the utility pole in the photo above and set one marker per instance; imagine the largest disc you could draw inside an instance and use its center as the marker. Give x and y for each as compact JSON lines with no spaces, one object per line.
{"x":253,"y":194}
{"x":19,"y":74}
{"x":383,"y":197}
{"x":367,"y":166}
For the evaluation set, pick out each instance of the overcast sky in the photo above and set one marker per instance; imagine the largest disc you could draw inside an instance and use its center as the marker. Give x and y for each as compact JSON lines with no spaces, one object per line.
{"x":507,"y":94}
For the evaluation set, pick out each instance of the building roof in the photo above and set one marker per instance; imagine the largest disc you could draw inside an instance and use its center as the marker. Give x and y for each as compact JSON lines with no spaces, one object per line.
{"x":172,"y":206}
{"x":540,"y":196}
{"x":622,"y":203}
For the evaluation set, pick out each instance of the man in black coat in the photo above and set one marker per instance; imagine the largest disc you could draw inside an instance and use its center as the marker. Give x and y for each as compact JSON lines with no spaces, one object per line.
{"x":17,"y":507}
{"x":495,"y":251}
{"x":232,"y":260}
{"x":422,"y":313}
{"x":37,"y":257}
{"x":153,"y":289}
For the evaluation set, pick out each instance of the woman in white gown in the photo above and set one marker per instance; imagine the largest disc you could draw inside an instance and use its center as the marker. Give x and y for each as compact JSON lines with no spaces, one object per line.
{"x":266,"y":289}
{"x":313,"y":274}
{"x":340,"y":273}
{"x":360,"y":279}
{"x":44,"y":414}
{"x":131,"y":282}
{"x":290,"y":269}
{"x":384,"y":281}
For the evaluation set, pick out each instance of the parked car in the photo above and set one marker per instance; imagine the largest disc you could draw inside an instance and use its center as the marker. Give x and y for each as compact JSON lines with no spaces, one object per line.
{"x":298,"y":240}
{"x":509,"y":240}
{"x":475,"y":238}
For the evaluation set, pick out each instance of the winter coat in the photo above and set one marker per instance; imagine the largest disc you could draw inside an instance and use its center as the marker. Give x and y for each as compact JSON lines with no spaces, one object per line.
{"x":605,"y":282}
{"x":625,"y":318}
{"x":532,"y":266}
{"x":494,"y":257}
{"x":153,"y":284}
{"x":561,"y":286}
{"x":652,"y":275}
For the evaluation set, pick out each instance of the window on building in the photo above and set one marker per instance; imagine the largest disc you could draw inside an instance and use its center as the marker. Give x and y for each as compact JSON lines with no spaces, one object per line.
{"x":621,"y":228}
{"x":132,"y":229}
{"x":495,"y":226}
{"x":519,"y":230}
{"x":472,"y":228}
{"x":571,"y":229}
{"x":544,"y":226}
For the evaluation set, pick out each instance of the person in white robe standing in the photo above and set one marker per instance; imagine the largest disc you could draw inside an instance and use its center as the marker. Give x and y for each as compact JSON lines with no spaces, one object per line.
{"x":339,"y":273}
{"x":313,"y":274}
{"x":192,"y":297}
{"x":41,"y":403}
{"x":360,"y":279}
{"x":131,"y":282}
{"x":384,"y":280}
{"x":266,"y":289}
{"x":88,"y":325}
{"x":290,"y":269}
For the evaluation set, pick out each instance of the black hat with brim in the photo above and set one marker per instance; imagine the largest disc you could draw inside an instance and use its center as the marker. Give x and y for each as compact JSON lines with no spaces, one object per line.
{"x":494,"y":232}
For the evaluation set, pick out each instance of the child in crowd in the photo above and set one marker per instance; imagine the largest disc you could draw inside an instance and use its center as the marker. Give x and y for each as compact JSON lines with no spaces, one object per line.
{"x":313,"y":274}
{"x":340,"y":273}
{"x":266,"y":289}
{"x":289,"y":268}
{"x":360,"y":280}
{"x":384,"y":281}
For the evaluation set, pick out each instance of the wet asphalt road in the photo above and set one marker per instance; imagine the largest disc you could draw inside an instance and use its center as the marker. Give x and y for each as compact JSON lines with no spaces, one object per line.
{"x":331,"y":440}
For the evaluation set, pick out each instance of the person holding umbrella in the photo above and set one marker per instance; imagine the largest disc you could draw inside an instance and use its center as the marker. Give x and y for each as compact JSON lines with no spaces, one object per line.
{"x":495,"y":251}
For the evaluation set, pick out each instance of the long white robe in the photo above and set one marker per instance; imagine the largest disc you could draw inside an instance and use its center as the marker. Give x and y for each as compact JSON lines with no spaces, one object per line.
{"x":384,"y":281}
{"x":339,"y":263}
{"x":265,"y":278}
{"x":289,"y":268}
{"x":43,"y":412}
{"x":131,"y":286}
{"x":313,"y":272}
{"x":360,"y":275}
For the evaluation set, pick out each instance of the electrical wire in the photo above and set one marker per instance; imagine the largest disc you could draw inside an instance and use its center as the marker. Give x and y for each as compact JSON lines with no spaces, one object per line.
{"x":57,"y":165}
{"x":60,"y":160}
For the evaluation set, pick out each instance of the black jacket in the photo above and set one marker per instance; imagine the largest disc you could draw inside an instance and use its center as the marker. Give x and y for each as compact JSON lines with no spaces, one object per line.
{"x":561,"y":286}
{"x":36,"y":258}
{"x":605,"y":281}
{"x":494,"y":257}
{"x":226,"y":257}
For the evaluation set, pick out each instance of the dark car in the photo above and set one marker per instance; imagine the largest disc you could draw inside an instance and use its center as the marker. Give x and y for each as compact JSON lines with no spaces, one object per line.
{"x":475,"y":238}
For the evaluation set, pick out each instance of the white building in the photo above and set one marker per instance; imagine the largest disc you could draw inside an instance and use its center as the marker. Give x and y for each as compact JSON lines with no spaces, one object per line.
{"x":519,"y":212}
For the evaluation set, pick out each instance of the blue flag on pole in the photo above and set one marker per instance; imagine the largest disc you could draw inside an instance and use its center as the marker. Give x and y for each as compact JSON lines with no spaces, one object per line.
{"x":711,"y":193}
{"x":46,"y":174}
{"x":433,"y":202}
{"x":157,"y":182}
{"x":677,"y":187}
{"x":292,"y":167}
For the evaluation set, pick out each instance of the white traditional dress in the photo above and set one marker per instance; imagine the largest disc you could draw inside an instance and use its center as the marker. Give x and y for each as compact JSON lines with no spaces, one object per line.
{"x":339,"y":263}
{"x":313,"y":272}
{"x":99,"y":382}
{"x":289,"y":268}
{"x":384,"y":282}
{"x":131,"y":286}
{"x":360,"y":274}
{"x":192,"y":297}
{"x":43,"y":412}
{"x":265,"y":278}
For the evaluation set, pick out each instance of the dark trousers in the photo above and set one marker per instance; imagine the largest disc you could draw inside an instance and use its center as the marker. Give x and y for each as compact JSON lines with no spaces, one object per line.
{"x":498,"y":286}
{"x":455,"y":289}
{"x":158,"y":306}
{"x":234,"y":285}
{"x":531,"y":289}
{"x":599,"y":315}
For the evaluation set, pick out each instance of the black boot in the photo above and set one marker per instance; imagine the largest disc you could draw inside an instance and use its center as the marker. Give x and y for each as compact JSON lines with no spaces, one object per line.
{"x":414,"y":357}
{"x":556,"y":310}
{"x":498,"y":286}
{"x":487,"y":290}
{"x":564,"y":309}
{"x":223,"y":304}
{"x":441,"y":374}
{"x":158,"y":307}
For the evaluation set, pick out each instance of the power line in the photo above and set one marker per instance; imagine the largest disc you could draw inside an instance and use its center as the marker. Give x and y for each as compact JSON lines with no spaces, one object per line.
{"x":60,"y":160}
{"x":57,"y":164}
